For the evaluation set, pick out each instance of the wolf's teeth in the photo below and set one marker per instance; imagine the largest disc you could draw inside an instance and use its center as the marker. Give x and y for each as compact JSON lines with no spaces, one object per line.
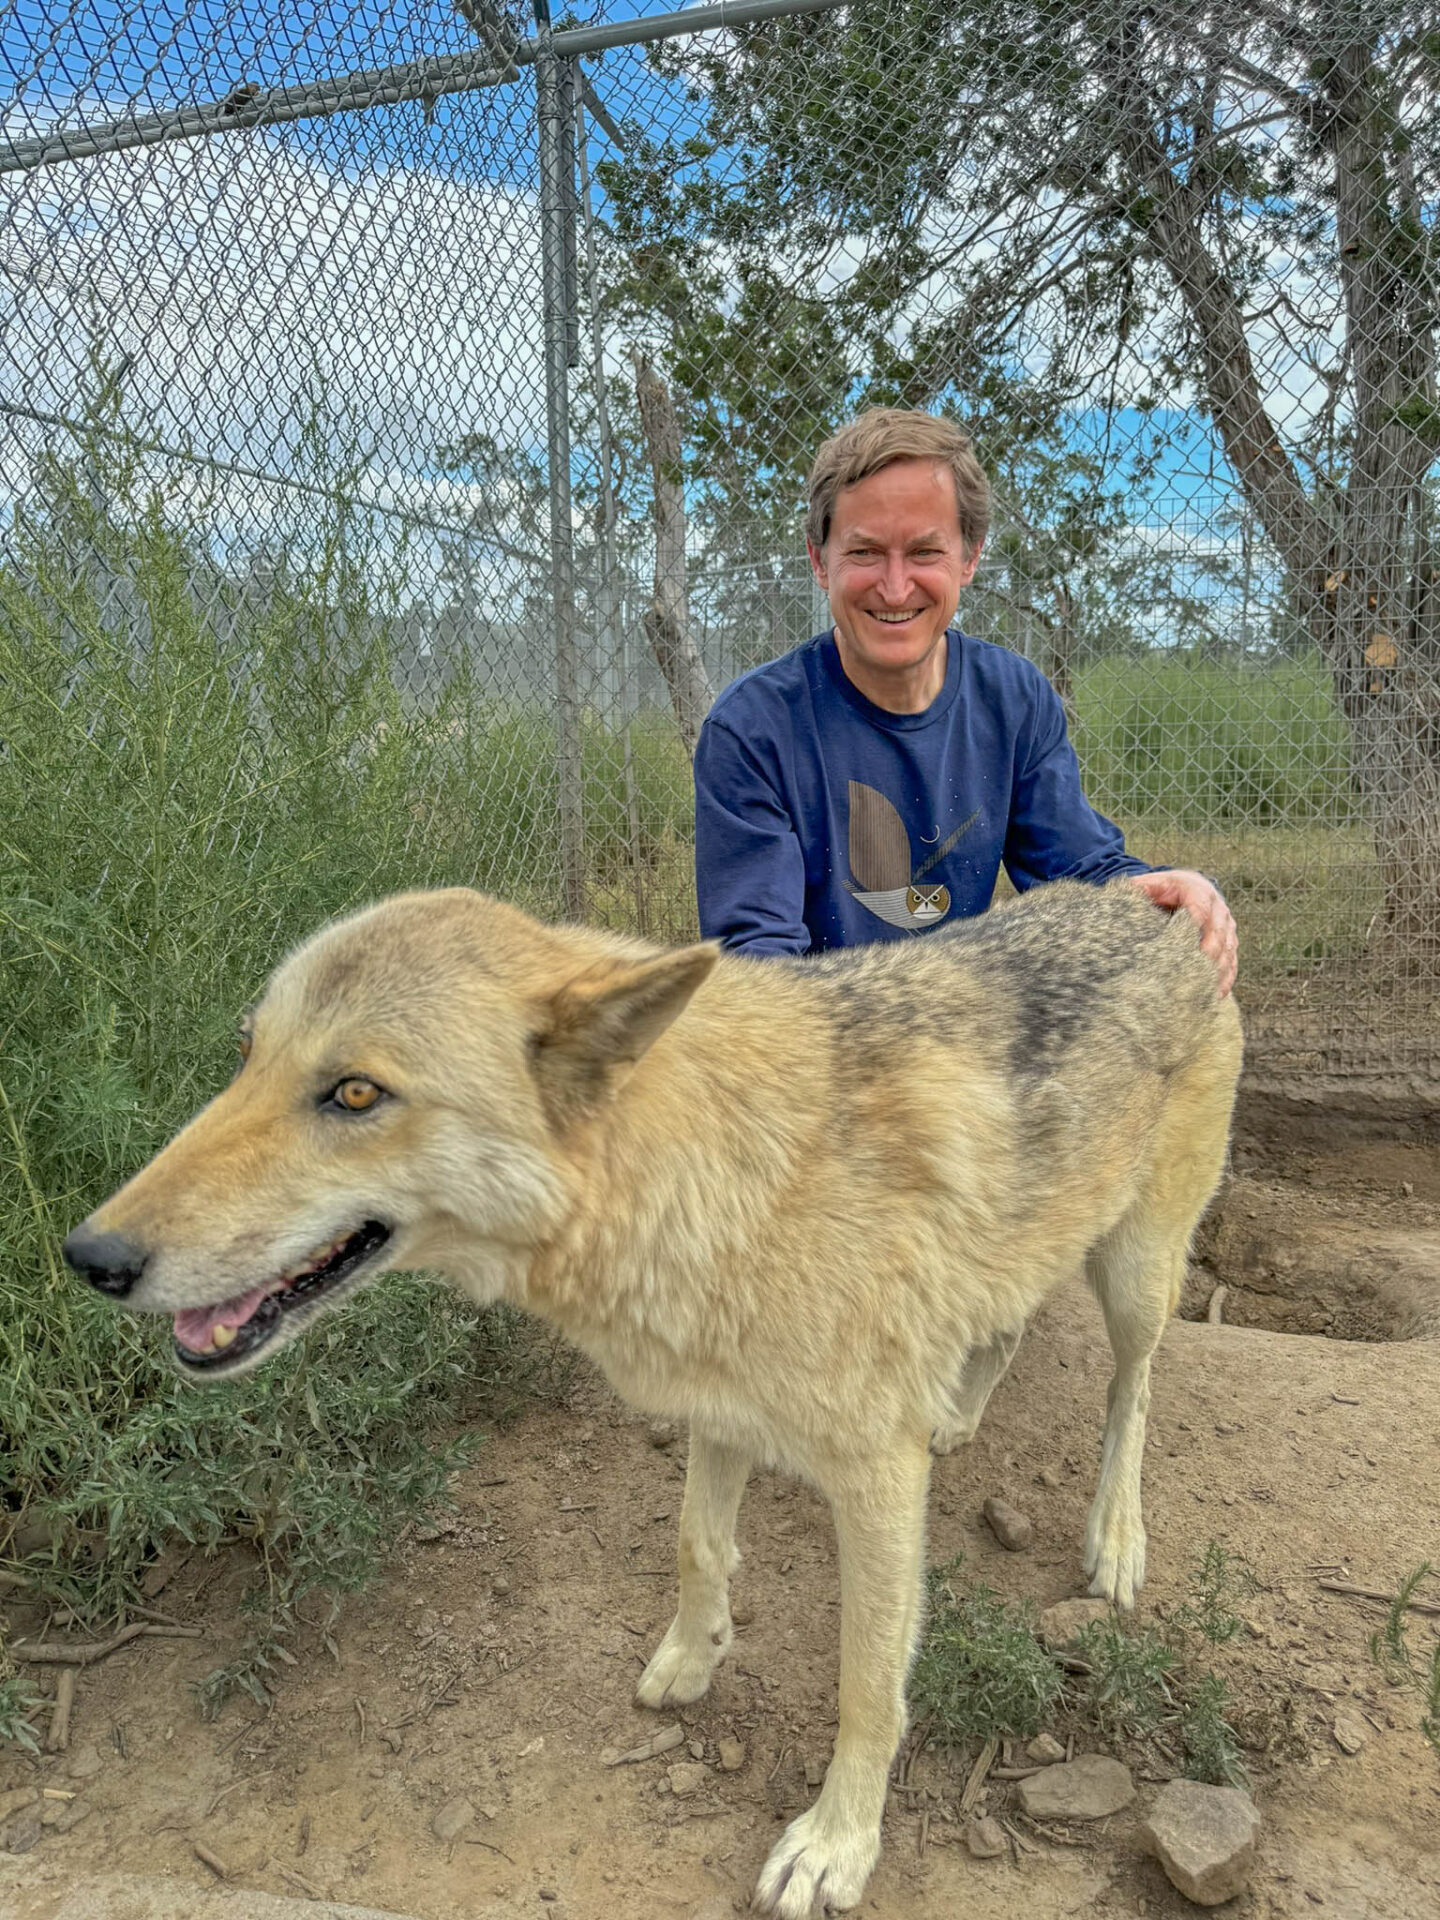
{"x":222,"y":1336}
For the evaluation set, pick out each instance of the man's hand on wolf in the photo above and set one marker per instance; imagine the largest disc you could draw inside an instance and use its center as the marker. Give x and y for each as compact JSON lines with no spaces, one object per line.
{"x":1205,"y":904}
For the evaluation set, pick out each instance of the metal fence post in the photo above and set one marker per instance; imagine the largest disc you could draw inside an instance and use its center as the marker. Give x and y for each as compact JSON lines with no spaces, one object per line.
{"x":557,"y":202}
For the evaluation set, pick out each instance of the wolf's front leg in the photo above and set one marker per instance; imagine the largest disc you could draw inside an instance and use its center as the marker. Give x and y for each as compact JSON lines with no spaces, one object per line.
{"x":699,"y":1635}
{"x":826,"y":1856}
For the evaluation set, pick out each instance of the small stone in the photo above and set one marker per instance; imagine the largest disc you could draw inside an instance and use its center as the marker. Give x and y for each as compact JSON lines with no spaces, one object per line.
{"x":62,"y":1815}
{"x":985,"y":1838}
{"x":1048,"y":1477}
{"x":21,"y":1831}
{"x":1349,"y":1730}
{"x":814,"y":1773}
{"x":1013,"y":1529}
{"x":1085,"y":1789}
{"x":741,"y":1615}
{"x":1204,"y":1838}
{"x":84,"y":1762}
{"x":452,"y":1819}
{"x":1044,"y":1750}
{"x":732,"y":1755}
{"x":1061,"y":1625}
{"x":695,"y":1749}
{"x":688,"y":1777}
{"x":15,"y":1799}
{"x":548,"y":1893}
{"x":662,"y":1433}
{"x":500,"y":1586}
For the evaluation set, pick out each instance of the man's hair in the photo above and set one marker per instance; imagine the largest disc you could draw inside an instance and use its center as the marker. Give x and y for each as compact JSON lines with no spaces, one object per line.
{"x":878,"y":438}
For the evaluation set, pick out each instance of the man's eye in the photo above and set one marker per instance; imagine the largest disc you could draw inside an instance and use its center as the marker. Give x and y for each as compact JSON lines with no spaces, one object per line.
{"x":356,"y":1095}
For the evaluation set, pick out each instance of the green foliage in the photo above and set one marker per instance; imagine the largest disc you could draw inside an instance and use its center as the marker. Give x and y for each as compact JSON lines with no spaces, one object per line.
{"x":981,"y":1673}
{"x":1212,"y":1753}
{"x":1205,"y":744}
{"x":1127,"y":1688}
{"x":17,"y":1703}
{"x":1391,"y":1651}
{"x":193,"y":775}
{"x":1222,"y":1579}
{"x":981,"y":1670}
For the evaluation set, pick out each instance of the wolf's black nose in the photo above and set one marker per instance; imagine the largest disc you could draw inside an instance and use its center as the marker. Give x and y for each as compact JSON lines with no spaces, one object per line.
{"x":106,"y":1260}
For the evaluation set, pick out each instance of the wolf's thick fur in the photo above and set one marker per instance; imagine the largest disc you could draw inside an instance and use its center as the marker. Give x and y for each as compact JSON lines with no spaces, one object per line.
{"x":806,"y":1205}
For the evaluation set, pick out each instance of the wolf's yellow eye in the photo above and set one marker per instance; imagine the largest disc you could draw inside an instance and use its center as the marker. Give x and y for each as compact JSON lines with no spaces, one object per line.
{"x":356,"y":1095}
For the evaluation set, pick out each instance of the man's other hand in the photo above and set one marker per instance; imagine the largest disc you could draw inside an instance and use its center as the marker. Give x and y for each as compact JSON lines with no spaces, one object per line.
{"x":1205,"y":904}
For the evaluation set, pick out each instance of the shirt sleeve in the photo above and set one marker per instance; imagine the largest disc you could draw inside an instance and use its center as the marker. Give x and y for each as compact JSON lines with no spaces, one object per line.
{"x":749,"y":866}
{"x":1054,"y":832}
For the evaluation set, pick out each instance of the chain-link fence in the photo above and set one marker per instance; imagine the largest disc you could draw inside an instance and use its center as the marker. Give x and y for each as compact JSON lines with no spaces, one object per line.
{"x":405,"y":415}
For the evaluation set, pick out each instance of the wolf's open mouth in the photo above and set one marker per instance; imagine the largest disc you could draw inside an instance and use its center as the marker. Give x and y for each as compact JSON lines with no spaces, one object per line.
{"x":210,"y":1336}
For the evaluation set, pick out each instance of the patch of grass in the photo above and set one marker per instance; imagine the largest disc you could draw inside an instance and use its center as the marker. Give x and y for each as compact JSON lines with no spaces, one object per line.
{"x":1402,"y":1667}
{"x":1221,"y":1579}
{"x":1127,"y":1692}
{"x":980,"y":1671}
{"x":981,"y":1674}
{"x":192,"y":778}
{"x":17,"y":1703}
{"x":1212,"y":1752}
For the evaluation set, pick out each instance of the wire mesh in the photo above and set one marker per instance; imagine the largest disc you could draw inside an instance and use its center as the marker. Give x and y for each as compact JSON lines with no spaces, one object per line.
{"x":273,"y":409}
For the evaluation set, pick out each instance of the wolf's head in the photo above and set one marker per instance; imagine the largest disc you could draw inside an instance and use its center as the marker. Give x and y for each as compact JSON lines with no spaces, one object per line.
{"x":407,"y":1088}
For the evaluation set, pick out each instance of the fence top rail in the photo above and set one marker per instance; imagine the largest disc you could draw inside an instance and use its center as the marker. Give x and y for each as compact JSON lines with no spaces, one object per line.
{"x":249,"y":105}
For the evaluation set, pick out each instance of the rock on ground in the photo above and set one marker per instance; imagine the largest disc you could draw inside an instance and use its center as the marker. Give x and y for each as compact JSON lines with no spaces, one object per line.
{"x":1061,"y":1625}
{"x":1204,"y":1838}
{"x":1013,"y":1529}
{"x":1083,"y":1789}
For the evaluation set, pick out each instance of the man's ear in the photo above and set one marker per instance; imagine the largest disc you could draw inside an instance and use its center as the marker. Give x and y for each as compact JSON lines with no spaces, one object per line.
{"x":604,"y":1021}
{"x":818,"y":567}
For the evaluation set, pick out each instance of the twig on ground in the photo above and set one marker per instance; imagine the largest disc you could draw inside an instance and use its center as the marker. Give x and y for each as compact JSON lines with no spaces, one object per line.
{"x":1215,"y":1312}
{"x":58,"y":1737}
{"x":246,"y":1780}
{"x":489,"y":1847}
{"x":83,"y":1653}
{"x":978,"y":1772}
{"x":212,"y":1860}
{"x":1357,"y":1593}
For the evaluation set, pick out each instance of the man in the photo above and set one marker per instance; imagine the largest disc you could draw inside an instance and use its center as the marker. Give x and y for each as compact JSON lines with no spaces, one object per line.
{"x":871,"y":783}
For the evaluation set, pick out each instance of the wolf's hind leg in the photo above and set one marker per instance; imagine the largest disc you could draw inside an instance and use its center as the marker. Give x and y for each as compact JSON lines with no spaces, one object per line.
{"x":699,"y":1635}
{"x":824,"y":1858}
{"x":984,"y":1369}
{"x":1136,"y":1271}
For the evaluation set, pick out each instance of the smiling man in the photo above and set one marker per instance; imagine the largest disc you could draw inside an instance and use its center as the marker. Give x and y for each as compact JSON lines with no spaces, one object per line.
{"x":871,"y":783}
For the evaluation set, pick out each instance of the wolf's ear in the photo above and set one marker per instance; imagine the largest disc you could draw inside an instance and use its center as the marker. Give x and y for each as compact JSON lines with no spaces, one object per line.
{"x":606,"y":1020}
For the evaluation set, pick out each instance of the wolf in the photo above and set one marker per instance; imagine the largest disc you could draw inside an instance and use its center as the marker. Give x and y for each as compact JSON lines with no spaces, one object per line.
{"x":807,"y":1205}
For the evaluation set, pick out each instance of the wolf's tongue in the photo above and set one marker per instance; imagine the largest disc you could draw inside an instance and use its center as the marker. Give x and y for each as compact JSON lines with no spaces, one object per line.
{"x":195,"y":1326}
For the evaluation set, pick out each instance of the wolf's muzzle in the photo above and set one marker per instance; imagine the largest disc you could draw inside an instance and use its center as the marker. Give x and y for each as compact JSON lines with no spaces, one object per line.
{"x":107,"y":1260}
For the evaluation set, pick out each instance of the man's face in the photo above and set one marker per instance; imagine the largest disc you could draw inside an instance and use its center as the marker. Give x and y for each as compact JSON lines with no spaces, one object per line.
{"x":893,"y":566}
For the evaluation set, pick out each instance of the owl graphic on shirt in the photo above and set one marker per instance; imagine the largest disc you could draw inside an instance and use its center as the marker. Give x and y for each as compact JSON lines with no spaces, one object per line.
{"x":890,"y":884}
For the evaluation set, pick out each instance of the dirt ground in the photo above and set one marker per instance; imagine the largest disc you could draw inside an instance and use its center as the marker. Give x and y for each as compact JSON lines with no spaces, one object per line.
{"x":497,"y":1657}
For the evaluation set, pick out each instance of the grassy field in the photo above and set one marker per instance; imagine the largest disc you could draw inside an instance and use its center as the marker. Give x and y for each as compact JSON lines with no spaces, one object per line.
{"x":174,"y":814}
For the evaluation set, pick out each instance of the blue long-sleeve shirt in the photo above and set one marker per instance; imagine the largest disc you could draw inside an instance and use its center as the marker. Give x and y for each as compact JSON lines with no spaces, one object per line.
{"x":822,"y":820}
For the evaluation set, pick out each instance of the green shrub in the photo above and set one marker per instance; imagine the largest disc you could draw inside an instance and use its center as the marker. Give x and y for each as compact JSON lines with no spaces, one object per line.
{"x":175,"y":811}
{"x":980,"y":1671}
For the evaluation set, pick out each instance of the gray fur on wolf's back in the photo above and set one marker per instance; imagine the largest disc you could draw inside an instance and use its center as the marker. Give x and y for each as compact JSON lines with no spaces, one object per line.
{"x":1065,"y":971}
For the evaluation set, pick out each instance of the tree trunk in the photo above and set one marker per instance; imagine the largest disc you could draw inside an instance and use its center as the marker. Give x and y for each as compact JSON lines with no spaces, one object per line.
{"x":1354,"y":580}
{"x":667,"y":619}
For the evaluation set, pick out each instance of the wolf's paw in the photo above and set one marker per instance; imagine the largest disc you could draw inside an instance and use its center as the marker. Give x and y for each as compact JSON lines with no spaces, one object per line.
{"x":950,"y":1438}
{"x":1115,"y":1560}
{"x":815,"y":1868}
{"x":679,"y":1671}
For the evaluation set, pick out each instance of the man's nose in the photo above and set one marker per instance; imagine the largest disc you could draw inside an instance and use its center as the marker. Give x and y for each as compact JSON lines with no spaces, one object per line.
{"x":895,"y":582}
{"x":107,"y":1260}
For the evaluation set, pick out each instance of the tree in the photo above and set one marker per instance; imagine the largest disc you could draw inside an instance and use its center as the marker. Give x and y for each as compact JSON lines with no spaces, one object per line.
{"x":1227,"y":208}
